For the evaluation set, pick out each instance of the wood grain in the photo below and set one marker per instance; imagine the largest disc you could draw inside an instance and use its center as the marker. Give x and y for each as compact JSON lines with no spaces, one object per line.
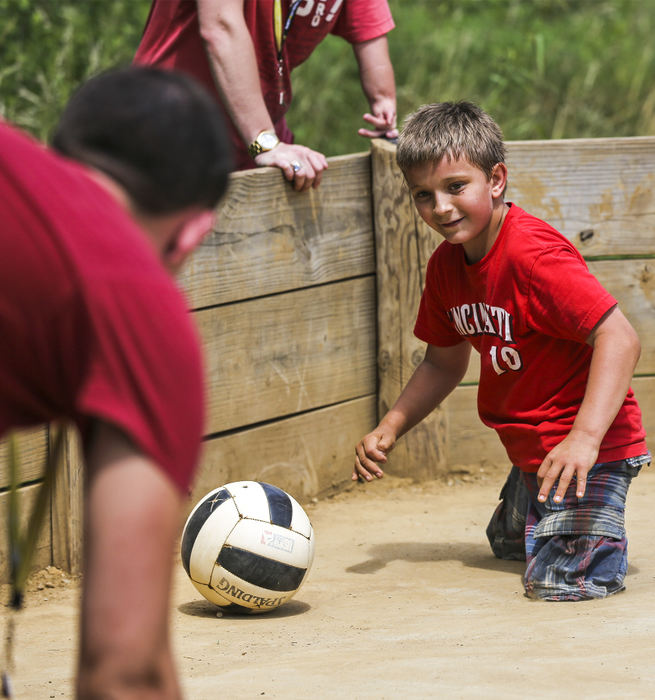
{"x":269,"y":238}
{"x":272,"y":357}
{"x":32,"y":449}
{"x":308,"y":455}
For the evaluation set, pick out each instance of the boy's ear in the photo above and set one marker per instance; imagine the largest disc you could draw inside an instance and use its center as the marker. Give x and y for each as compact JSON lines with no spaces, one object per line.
{"x":498,"y":179}
{"x":189,"y":237}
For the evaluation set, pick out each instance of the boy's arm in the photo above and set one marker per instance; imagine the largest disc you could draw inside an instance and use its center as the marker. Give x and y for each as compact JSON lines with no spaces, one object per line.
{"x":616,"y":349}
{"x":439,"y":373}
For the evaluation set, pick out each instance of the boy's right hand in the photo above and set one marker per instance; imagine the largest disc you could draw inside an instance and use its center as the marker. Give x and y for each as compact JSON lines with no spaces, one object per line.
{"x":370,"y":450}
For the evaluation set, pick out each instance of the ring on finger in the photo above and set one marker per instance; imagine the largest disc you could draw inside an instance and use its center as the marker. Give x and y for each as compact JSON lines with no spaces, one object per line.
{"x":296,"y":166}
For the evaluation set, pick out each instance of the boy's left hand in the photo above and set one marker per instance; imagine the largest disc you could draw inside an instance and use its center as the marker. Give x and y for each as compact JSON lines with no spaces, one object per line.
{"x":574,"y":456}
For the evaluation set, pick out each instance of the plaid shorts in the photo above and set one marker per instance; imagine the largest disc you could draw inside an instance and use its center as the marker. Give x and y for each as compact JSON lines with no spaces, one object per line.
{"x":575,"y":549}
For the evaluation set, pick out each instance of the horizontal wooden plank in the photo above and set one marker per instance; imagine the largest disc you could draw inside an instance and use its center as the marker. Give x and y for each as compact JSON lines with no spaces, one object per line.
{"x":276,"y":356}
{"x":632,"y":283}
{"x":32,"y":450}
{"x":270,"y":238}
{"x":308,"y":456}
{"x":42,"y":553}
{"x":600,"y":193}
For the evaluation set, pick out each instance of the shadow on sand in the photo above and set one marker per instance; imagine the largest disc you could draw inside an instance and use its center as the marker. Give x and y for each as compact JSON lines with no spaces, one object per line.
{"x":203,"y":608}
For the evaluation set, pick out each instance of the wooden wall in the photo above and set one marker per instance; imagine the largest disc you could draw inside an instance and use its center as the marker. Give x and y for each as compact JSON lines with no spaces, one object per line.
{"x":60,"y":541}
{"x":306,"y":302}
{"x":284,"y":296}
{"x":283,"y":293}
{"x":600,"y":193}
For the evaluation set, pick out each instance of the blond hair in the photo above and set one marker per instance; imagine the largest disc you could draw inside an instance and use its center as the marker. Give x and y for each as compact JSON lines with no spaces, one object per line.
{"x":452,"y":129}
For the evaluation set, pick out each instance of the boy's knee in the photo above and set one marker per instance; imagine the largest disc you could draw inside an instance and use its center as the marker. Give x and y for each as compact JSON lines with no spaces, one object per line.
{"x":506,"y":529}
{"x":577,"y":567}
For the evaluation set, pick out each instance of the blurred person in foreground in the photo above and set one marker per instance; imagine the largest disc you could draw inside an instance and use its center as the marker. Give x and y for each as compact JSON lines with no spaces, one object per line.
{"x":244,"y":52}
{"x":557,"y":357}
{"x":96,"y":333}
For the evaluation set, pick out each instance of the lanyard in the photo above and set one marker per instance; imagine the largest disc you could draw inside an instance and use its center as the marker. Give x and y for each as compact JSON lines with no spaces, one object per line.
{"x":281,"y":32}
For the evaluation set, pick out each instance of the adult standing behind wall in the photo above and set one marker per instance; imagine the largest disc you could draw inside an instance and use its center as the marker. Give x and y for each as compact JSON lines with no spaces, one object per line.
{"x":244,"y":54}
{"x":95,"y":332}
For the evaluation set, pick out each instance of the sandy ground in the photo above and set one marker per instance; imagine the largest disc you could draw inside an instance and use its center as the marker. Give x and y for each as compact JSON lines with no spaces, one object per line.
{"x":404,"y":601}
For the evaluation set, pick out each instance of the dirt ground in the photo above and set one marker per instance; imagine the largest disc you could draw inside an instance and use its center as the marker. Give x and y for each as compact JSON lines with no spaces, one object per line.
{"x":404,"y":601}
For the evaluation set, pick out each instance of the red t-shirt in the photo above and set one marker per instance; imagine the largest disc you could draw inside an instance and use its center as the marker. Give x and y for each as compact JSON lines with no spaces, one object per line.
{"x":171,"y":39}
{"x":91,"y":323}
{"x":527,"y":307}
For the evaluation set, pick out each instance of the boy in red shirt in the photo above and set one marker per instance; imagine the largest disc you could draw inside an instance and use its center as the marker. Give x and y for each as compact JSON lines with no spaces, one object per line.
{"x":557,"y":356}
{"x":96,"y":333}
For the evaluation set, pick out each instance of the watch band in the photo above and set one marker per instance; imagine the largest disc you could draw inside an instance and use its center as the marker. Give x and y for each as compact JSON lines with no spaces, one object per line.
{"x":260,"y":145}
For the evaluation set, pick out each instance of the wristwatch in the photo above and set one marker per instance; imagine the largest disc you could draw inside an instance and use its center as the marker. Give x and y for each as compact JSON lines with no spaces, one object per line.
{"x":265,"y":141}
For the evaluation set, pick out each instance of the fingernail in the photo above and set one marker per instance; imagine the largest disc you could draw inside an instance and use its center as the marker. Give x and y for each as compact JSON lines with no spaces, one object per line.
{"x":541,"y":497}
{"x":557,"y":499}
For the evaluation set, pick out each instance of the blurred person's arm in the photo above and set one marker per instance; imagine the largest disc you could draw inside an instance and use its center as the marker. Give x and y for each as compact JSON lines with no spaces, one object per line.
{"x":233,"y":61}
{"x":132,"y":519}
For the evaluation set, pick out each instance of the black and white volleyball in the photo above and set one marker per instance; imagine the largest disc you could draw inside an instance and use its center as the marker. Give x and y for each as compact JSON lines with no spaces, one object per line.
{"x":247,"y":546}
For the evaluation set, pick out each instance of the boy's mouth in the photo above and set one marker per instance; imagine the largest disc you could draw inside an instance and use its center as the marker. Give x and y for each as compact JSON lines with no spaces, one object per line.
{"x":451,"y":224}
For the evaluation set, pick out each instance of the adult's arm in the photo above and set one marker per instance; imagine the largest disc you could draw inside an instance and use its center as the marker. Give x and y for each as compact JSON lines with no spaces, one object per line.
{"x":379,"y":86}
{"x":233,"y":61}
{"x":132,"y":519}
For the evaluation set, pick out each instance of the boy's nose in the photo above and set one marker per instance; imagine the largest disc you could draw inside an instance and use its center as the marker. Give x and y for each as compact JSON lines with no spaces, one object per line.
{"x":441,"y":204}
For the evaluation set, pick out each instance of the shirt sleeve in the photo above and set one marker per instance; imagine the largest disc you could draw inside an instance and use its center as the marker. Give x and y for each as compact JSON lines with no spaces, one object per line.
{"x":144,"y":372}
{"x":565,"y":300}
{"x":362,"y":20}
{"x":433,"y":325}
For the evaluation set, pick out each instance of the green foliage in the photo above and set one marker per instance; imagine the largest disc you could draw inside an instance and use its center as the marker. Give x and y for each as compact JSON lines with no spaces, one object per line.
{"x":47,"y":47}
{"x":543,"y":68}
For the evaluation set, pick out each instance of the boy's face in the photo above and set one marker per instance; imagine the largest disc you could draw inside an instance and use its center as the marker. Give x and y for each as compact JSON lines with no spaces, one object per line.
{"x":457,"y":200}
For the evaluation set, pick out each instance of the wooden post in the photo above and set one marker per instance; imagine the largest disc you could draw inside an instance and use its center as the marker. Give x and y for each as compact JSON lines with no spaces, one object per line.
{"x":67,"y":503}
{"x":401,"y":255}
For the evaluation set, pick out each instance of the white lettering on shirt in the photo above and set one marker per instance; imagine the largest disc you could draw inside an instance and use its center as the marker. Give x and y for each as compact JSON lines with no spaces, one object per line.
{"x":482,"y":319}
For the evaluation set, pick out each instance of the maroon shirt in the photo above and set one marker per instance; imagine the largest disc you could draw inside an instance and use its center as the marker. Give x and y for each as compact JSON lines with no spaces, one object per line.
{"x":171,"y":39}
{"x":91,"y":323}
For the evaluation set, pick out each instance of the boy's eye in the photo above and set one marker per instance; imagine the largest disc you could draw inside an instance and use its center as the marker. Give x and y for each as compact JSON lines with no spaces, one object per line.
{"x":421,"y":194}
{"x":456,"y":186}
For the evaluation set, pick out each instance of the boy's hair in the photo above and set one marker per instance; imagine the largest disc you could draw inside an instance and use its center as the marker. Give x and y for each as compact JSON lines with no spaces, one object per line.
{"x":452,"y":129}
{"x":157,"y":133}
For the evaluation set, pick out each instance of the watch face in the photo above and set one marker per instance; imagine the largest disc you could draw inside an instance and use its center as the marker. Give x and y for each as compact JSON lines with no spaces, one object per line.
{"x":268,"y":141}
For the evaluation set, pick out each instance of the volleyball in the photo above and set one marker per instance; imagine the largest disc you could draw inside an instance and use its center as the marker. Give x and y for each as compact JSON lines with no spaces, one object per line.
{"x":247,"y":546}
